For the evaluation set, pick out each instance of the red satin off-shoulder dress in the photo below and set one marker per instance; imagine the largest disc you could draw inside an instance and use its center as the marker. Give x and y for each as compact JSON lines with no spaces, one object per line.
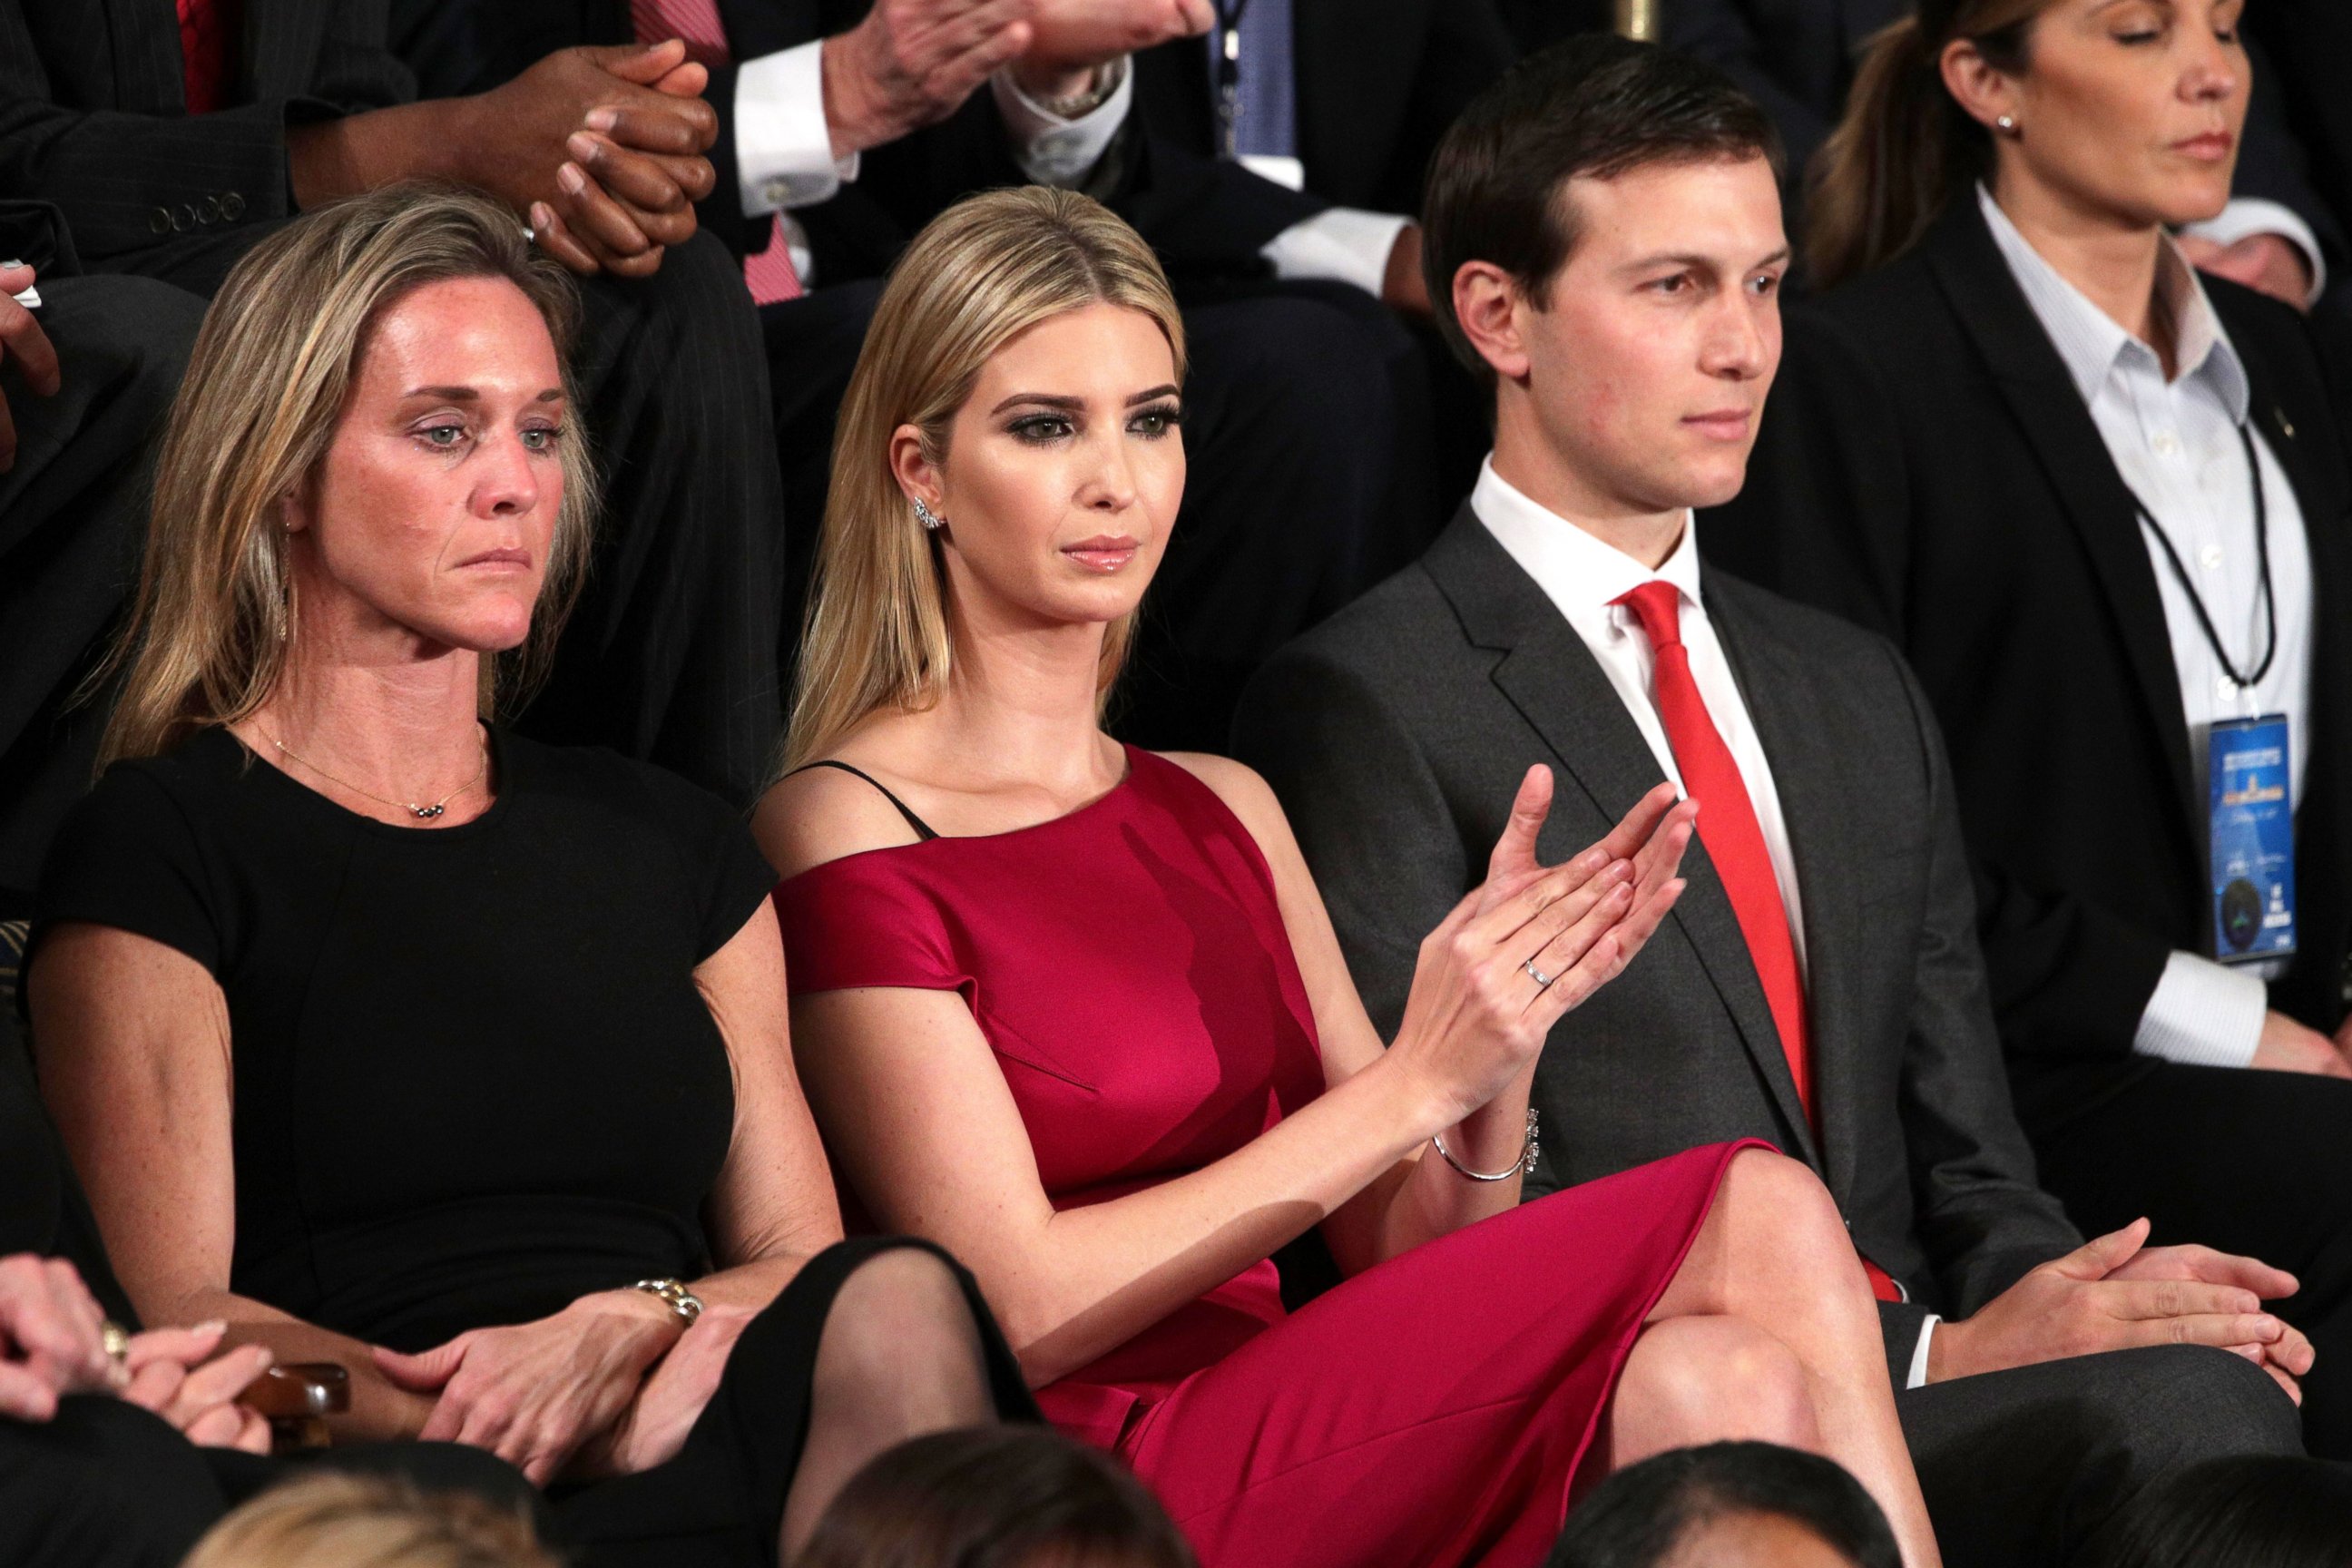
{"x":1129,"y":969}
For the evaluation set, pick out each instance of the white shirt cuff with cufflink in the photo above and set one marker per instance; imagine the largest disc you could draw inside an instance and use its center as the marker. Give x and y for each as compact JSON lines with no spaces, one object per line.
{"x":784,"y":147}
{"x":1053,"y":151}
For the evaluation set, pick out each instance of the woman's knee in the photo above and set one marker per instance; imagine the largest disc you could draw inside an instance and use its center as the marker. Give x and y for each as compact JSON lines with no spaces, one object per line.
{"x":901,"y":1312}
{"x":1711,"y":1379}
{"x":1777,"y":1208}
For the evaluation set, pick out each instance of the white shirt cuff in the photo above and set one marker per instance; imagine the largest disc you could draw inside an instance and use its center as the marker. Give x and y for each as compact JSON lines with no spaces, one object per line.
{"x":2248,"y":216}
{"x":2203,"y":1014}
{"x":784,"y":147}
{"x":1917,"y":1377}
{"x":1053,"y":151}
{"x":1344,"y":244}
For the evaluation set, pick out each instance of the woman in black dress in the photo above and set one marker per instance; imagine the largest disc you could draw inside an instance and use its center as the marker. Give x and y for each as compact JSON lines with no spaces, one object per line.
{"x":397,"y":1039}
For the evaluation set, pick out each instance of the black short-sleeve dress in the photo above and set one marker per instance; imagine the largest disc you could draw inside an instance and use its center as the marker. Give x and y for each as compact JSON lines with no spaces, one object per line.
{"x":474,"y":1077}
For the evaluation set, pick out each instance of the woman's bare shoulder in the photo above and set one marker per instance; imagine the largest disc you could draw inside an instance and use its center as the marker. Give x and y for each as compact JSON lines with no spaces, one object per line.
{"x":822,"y":814}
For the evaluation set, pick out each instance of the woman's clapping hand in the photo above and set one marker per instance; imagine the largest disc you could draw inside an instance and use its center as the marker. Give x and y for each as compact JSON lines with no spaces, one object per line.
{"x":1532,"y":941}
{"x":534,"y":1394}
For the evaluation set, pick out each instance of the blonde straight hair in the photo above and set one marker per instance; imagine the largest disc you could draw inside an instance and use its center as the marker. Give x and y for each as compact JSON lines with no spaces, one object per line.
{"x":355,"y":1521}
{"x":214,"y":618}
{"x":983,"y":272}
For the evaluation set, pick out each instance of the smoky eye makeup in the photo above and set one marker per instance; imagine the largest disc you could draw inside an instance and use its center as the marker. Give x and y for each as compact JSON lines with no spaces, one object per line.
{"x":1157,"y":420}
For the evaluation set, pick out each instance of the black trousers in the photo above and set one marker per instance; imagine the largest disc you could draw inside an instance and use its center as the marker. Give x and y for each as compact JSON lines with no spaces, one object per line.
{"x":1307,"y":481}
{"x":2243,"y":1160}
{"x":73,"y":514}
{"x":2022,"y":1469}
{"x":670,"y":656}
{"x":106,"y":1484}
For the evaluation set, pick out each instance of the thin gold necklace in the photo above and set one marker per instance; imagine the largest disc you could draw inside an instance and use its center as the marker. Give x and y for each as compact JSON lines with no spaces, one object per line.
{"x":421,"y":812}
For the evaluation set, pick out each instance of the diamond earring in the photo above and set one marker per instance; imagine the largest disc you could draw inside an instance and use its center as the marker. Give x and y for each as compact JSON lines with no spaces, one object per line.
{"x":2008,"y":123}
{"x":932,"y":521}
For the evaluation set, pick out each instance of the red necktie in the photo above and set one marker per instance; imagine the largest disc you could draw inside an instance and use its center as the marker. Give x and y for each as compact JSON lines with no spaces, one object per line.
{"x":1735,"y":842}
{"x":769,"y":274}
{"x":205,"y":26}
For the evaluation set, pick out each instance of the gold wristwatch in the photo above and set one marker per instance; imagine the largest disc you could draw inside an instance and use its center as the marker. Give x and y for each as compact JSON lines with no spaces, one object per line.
{"x":674,"y":1294}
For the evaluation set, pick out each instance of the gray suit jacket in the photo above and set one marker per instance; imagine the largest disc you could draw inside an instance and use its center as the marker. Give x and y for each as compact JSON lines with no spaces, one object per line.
{"x":1396,"y":733}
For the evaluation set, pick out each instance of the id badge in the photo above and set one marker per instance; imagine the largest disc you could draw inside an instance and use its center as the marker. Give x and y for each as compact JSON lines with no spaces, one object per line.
{"x":2252,"y":839}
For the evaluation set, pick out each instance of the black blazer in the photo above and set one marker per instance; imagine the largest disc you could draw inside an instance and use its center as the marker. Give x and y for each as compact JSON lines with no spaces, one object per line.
{"x":93,"y":120}
{"x":1927,"y":468}
{"x":1396,"y":735}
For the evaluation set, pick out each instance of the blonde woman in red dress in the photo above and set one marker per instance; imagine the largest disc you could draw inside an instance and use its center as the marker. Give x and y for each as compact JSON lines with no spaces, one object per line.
{"x":1074,"y":1010}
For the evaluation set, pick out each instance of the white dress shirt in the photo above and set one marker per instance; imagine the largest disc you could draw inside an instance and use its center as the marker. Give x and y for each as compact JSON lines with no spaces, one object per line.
{"x":1581,"y":576}
{"x":2175,"y":443}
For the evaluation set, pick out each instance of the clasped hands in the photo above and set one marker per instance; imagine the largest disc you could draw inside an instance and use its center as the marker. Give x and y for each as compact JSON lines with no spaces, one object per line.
{"x":610,"y":1385}
{"x":1531,"y":941}
{"x":2115,"y":1292}
{"x":52,"y":1343}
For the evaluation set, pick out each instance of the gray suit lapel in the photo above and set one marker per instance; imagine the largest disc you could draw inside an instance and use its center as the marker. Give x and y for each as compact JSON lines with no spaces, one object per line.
{"x":1550,"y":678}
{"x":1789,"y":721}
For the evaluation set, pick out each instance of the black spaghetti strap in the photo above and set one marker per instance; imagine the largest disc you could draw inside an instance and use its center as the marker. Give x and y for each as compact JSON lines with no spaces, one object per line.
{"x":922,"y":830}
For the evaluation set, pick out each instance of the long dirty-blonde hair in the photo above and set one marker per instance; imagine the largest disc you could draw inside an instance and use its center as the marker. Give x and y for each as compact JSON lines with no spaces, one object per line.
{"x":214,"y":618}
{"x":1905,"y":147}
{"x":983,"y":272}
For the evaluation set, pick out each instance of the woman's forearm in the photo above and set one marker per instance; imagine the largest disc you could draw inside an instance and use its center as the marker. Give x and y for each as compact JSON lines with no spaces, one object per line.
{"x":1088,"y":1279}
{"x":381,"y":1411}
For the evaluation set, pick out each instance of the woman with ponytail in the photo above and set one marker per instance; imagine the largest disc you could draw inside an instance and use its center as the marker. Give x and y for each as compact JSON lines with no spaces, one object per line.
{"x":2101,"y":504}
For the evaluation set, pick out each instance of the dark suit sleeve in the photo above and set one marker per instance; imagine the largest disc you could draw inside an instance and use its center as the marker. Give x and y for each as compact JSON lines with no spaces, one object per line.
{"x":1366,"y":806}
{"x":114,"y":175}
{"x":1983,"y":1218}
{"x":1827,"y":518}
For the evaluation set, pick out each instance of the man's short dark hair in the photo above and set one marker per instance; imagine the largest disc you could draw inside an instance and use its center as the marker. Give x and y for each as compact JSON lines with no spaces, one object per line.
{"x":1638,"y":1517}
{"x":1598,"y":105}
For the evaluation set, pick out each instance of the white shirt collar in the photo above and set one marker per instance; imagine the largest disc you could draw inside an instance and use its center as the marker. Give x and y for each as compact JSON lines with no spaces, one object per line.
{"x":1576,"y":570}
{"x":2089,"y":341}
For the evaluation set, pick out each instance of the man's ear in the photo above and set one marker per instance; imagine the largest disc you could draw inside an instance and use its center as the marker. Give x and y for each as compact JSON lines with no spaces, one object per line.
{"x":1490,"y":306}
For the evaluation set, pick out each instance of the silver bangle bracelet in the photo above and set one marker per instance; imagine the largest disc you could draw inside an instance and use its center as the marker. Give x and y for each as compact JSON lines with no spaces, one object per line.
{"x":1525,"y":1165}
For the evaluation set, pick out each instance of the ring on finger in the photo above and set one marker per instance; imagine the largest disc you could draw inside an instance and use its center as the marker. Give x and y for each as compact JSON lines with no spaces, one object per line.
{"x":1543,"y":982}
{"x":115,"y":1339}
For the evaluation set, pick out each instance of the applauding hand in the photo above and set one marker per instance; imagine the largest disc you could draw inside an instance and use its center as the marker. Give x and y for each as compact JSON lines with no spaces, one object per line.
{"x":1532,"y":941}
{"x":1071,"y":38}
{"x":911,"y":63}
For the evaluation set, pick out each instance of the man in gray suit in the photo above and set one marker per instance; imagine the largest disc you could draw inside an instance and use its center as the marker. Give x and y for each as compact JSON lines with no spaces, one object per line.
{"x":1605,"y":242}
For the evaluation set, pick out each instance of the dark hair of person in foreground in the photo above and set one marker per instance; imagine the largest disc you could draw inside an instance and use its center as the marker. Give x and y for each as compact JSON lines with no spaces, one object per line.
{"x":998,"y":1497}
{"x":2252,"y":1511}
{"x":1647,"y":1515}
